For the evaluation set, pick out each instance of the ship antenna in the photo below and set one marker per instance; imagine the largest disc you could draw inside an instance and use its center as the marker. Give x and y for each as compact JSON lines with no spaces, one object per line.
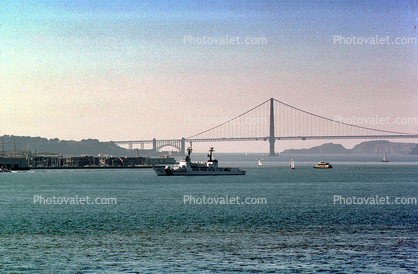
{"x":210,"y":153}
{"x":189,"y":150}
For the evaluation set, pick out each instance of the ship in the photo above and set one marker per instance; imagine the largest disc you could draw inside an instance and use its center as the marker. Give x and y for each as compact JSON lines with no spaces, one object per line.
{"x":384,"y":160}
{"x":323,"y":164}
{"x":292,"y":164}
{"x":188,"y":168}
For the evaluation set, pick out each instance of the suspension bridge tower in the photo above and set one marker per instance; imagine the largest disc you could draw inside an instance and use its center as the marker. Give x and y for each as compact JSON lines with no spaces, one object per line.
{"x":271,"y":138}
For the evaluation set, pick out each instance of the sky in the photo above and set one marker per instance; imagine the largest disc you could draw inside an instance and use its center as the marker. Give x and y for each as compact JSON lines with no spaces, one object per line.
{"x":123,"y":70}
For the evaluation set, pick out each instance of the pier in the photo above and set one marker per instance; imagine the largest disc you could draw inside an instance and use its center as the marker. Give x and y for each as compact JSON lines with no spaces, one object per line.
{"x":96,"y":162}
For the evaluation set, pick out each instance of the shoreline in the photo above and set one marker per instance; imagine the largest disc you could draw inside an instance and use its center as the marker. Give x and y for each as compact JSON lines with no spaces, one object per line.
{"x":95,"y":167}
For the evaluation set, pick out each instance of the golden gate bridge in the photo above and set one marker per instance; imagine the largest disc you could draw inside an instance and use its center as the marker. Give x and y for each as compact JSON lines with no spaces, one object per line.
{"x":273,"y":120}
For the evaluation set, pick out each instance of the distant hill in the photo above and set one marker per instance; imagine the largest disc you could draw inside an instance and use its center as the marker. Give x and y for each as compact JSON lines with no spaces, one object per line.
{"x":414,"y":151}
{"x":370,"y":147}
{"x":91,"y":147}
{"x":380,"y":147}
{"x":328,"y":148}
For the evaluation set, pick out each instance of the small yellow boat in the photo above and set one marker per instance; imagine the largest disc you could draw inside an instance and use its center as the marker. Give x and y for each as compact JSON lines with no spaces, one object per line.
{"x":323,"y":164}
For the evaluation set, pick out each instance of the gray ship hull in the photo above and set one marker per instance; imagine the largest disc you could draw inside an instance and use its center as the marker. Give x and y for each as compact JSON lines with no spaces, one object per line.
{"x":163,"y":171}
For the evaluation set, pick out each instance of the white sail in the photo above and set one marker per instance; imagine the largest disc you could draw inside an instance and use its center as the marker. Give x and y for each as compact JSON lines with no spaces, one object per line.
{"x":259,"y":162}
{"x":292,"y":164}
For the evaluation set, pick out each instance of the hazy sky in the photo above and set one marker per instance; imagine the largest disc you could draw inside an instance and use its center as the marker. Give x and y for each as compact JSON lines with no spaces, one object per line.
{"x":123,"y":70}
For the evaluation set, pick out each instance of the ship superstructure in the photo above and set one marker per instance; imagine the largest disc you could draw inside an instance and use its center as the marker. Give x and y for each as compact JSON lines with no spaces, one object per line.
{"x":188,"y":168}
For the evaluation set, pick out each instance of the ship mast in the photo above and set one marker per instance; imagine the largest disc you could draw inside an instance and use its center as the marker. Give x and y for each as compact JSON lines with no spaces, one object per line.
{"x":211,"y":150}
{"x":189,"y":150}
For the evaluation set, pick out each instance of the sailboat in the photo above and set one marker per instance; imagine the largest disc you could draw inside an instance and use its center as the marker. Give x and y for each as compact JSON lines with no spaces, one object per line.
{"x":384,"y":158}
{"x":259,"y":162}
{"x":292,"y":164}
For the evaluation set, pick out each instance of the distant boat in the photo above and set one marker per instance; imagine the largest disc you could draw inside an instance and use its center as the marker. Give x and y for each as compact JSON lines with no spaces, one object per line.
{"x":259,"y":162}
{"x":323,"y":164}
{"x":292,"y":164}
{"x":384,"y":158}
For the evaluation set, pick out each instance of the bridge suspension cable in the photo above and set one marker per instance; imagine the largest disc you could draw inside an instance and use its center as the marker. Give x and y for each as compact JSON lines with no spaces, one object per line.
{"x":275,"y":120}
{"x":334,"y":121}
{"x":230,"y":120}
{"x":289,"y":122}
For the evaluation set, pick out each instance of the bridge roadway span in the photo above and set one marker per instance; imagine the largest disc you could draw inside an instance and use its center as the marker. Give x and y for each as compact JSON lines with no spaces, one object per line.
{"x":180,"y":144}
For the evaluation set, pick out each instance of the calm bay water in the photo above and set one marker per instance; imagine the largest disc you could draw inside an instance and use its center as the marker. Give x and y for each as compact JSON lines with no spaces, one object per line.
{"x":301,"y":228}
